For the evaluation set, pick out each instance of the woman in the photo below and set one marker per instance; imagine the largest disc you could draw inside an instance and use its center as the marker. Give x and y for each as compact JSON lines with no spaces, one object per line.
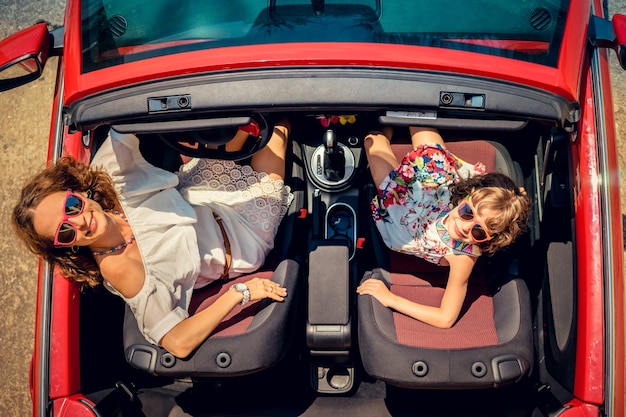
{"x":436,"y":206}
{"x":151,"y":236}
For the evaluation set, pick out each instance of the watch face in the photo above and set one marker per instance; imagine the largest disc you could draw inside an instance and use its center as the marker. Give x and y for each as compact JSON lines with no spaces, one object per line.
{"x":241,"y":287}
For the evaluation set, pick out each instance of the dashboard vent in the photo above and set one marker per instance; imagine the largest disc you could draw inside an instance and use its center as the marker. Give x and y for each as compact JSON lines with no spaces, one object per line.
{"x":540,"y":18}
{"x":118,"y":25}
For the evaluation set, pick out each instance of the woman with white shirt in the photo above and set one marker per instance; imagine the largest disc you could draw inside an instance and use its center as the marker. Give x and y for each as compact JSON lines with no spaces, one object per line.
{"x":152,"y":236}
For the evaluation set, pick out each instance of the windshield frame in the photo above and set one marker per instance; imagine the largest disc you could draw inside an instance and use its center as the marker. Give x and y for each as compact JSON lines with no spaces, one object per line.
{"x":109,"y":36}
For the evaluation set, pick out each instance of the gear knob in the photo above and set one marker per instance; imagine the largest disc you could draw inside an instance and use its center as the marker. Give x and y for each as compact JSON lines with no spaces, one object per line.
{"x":330,"y":140}
{"x":334,"y":160}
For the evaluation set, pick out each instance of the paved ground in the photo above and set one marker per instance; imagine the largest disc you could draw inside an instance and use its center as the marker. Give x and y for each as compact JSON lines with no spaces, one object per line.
{"x":619,"y":103}
{"x":24,"y":121}
{"x":24,"y":124}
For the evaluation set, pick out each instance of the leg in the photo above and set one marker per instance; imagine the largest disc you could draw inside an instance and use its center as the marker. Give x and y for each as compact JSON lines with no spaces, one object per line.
{"x":380,"y":155}
{"x":425,"y":135}
{"x":271,"y":159}
{"x":237,"y":142}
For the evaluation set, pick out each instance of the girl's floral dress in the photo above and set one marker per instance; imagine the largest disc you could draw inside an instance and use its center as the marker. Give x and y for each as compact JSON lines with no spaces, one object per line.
{"x":414,"y":199}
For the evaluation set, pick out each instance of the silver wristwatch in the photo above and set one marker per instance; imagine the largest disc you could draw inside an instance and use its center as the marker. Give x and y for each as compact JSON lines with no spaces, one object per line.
{"x":242,"y":288}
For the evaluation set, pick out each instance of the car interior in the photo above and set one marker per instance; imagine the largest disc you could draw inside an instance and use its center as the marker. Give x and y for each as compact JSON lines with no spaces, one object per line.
{"x":326,"y":348}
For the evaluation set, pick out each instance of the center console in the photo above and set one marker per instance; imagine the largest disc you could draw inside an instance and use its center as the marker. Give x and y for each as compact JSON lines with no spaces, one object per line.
{"x":335,"y":166}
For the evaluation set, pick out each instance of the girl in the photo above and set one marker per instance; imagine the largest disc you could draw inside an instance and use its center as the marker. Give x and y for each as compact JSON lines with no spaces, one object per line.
{"x":435,"y":206}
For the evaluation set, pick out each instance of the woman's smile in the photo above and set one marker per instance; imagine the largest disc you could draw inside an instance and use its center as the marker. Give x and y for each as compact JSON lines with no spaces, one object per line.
{"x":93,"y":224}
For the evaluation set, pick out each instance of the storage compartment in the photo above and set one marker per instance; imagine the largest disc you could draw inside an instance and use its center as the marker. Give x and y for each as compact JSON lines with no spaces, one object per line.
{"x":341,"y":225}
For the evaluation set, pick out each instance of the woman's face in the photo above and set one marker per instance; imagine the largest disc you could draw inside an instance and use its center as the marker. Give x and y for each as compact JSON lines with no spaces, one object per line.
{"x":69,"y":219}
{"x":464,"y":223}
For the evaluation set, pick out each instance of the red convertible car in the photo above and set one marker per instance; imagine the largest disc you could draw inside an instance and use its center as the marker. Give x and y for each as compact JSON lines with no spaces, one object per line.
{"x":522,"y":86}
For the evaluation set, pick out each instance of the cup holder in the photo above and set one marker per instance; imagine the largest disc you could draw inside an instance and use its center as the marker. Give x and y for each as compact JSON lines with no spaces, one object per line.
{"x":339,"y":378}
{"x":333,"y":379}
{"x":341,"y":225}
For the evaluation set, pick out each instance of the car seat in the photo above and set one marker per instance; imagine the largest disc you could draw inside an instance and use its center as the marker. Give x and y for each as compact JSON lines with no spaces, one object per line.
{"x":252,"y":337}
{"x":490,"y":345}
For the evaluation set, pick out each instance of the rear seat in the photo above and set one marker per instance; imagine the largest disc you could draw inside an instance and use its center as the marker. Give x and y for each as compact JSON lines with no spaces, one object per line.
{"x":490,"y":345}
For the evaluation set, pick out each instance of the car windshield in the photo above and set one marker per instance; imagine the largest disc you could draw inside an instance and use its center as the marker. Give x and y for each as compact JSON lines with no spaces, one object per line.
{"x":118,"y":31}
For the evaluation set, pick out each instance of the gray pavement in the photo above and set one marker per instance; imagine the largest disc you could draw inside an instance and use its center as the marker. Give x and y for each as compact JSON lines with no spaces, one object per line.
{"x":24,"y":124}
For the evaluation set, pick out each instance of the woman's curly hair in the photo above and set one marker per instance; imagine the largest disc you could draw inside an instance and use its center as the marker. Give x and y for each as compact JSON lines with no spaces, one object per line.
{"x":77,"y":264}
{"x":496,"y":192}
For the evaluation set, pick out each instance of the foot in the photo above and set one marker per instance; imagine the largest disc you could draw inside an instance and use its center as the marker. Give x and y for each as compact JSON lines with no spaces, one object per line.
{"x":251,"y":129}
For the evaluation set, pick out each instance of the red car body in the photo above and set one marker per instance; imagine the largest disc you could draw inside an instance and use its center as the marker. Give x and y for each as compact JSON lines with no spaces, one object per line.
{"x":580,"y":75}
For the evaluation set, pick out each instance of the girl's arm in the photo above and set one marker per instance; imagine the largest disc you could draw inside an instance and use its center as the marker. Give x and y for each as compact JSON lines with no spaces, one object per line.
{"x":448,"y":311}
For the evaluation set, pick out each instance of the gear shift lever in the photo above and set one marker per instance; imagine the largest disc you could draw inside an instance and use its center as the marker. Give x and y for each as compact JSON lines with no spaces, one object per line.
{"x":334,"y":159}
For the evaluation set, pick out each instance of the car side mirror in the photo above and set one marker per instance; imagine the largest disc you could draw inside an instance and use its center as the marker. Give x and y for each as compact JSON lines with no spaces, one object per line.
{"x":23,"y":56}
{"x":619,"y":26}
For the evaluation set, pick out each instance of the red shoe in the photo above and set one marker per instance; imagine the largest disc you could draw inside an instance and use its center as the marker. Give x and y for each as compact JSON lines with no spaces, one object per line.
{"x":251,"y":128}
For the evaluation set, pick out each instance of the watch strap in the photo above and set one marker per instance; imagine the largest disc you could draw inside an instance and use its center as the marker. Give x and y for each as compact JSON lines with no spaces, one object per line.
{"x":245,"y":292}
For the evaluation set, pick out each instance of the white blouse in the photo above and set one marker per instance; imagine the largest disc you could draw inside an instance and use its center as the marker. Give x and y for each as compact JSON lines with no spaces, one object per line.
{"x":180,"y":242}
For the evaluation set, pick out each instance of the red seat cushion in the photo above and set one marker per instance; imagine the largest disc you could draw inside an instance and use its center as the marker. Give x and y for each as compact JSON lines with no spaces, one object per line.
{"x":474,"y":328}
{"x":240,"y":318}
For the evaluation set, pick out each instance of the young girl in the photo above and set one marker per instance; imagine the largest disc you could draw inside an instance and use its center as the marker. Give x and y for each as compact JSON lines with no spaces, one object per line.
{"x":435,"y":206}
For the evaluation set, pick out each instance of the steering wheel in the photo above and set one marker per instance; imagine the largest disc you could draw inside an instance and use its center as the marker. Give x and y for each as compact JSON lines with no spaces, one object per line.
{"x":209,"y":139}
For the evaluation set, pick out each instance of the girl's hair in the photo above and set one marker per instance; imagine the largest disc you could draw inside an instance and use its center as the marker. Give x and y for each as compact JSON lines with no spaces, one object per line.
{"x":496,"y":192}
{"x":76,"y":263}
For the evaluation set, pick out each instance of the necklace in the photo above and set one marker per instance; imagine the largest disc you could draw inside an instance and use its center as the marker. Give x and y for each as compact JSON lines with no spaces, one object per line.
{"x":121,"y":245}
{"x":457,"y":245}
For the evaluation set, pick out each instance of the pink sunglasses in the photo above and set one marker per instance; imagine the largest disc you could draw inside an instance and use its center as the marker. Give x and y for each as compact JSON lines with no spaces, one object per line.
{"x":479,"y":233}
{"x":66,"y":233}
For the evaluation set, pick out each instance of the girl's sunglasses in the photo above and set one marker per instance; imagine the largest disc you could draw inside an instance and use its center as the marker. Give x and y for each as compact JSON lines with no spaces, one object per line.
{"x":66,"y":233}
{"x":479,"y":234}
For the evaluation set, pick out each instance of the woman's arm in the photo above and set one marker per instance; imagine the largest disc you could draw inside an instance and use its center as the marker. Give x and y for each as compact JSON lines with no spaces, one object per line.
{"x":191,"y":332}
{"x":443,"y":316}
{"x":187,"y":335}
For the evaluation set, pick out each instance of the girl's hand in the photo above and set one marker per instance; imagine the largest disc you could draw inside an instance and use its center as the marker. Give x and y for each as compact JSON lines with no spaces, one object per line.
{"x":377,"y":289}
{"x":264,"y":288}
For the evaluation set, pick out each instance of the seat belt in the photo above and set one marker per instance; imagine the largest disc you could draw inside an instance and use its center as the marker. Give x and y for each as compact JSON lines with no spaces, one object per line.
{"x":121,"y":401}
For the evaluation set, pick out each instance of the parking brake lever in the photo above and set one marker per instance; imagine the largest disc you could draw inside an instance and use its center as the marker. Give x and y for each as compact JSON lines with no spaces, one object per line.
{"x":334,"y":158}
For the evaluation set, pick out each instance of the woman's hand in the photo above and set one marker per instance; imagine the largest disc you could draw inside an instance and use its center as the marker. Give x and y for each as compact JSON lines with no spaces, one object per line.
{"x":377,"y":289}
{"x":264,"y":288}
